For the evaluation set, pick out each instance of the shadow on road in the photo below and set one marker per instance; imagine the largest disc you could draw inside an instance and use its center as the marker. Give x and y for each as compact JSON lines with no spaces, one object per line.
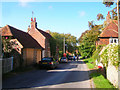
{"x":38,"y":78}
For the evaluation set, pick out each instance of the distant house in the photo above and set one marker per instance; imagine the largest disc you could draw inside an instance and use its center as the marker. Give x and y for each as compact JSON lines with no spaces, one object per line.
{"x":24,"y":44}
{"x":41,"y":37}
{"x":110,"y":33}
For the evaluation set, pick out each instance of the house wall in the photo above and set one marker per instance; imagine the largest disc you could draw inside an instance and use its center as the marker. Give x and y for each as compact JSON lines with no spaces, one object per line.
{"x":37,"y":36}
{"x":38,"y":55}
{"x":102,"y":41}
{"x":31,"y":56}
{"x":40,"y":38}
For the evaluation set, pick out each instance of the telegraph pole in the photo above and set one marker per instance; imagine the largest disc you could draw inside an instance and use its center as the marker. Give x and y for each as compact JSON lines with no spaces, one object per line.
{"x":0,"y":44}
{"x":118,"y":20}
{"x":64,"y":45}
{"x":118,"y":13}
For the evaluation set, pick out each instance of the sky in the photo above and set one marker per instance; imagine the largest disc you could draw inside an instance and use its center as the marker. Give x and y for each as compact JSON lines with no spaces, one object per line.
{"x":61,"y":17}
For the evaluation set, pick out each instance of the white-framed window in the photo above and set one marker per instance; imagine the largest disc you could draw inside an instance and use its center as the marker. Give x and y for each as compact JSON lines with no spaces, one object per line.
{"x":113,"y":40}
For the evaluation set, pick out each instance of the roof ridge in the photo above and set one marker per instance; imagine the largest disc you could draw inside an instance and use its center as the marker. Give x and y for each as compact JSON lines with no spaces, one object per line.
{"x":45,"y":34}
{"x":16,"y":29}
{"x":24,"y":38}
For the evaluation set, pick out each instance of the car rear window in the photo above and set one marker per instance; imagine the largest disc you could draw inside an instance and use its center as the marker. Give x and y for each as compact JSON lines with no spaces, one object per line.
{"x":47,"y":59}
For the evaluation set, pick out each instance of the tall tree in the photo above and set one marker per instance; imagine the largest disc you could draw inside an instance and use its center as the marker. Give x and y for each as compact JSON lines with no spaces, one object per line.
{"x":88,"y":39}
{"x":91,"y":24}
{"x":100,"y":17}
{"x":108,"y":3}
{"x":70,"y":40}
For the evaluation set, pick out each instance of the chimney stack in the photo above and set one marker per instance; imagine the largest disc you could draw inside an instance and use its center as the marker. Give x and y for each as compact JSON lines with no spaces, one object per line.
{"x":108,"y":18}
{"x":33,"y":24}
{"x":31,"y":19}
{"x":34,"y":19}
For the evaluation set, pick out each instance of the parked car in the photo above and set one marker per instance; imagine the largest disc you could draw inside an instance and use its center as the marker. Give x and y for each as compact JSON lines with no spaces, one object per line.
{"x":63,"y":59}
{"x":48,"y":62}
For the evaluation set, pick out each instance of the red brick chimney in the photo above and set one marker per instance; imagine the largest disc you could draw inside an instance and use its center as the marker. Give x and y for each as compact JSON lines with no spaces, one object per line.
{"x":33,"y":24}
{"x":108,"y":18}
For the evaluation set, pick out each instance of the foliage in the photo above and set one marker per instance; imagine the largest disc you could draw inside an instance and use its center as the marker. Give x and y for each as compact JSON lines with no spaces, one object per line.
{"x":104,"y":57}
{"x":110,"y":54}
{"x":90,"y":63}
{"x":100,"y":16}
{"x":100,"y":81}
{"x":88,"y":40}
{"x":80,"y":38}
{"x":6,"y":46}
{"x":10,"y":51}
{"x":69,"y":40}
{"x":109,"y":3}
{"x":96,"y":53}
{"x":52,"y":46}
{"x":113,"y":54}
{"x":60,"y":54}
{"x":114,"y":13}
{"x":91,"y":24}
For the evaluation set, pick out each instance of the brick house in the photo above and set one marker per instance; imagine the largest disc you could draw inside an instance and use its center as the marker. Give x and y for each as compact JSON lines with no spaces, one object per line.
{"x":41,"y":37}
{"x":110,"y":33}
{"x":24,"y":44}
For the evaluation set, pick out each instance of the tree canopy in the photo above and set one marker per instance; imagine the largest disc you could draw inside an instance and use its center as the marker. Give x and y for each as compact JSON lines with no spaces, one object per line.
{"x":87,"y":41}
{"x":70,"y":41}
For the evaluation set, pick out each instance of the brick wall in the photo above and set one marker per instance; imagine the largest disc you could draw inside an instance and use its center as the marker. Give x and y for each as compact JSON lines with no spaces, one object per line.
{"x":112,"y":74}
{"x":40,"y":38}
{"x":102,"y":41}
{"x":37,"y":35}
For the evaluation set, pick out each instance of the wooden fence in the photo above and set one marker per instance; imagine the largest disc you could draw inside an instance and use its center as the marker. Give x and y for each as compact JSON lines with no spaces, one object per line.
{"x":7,"y":65}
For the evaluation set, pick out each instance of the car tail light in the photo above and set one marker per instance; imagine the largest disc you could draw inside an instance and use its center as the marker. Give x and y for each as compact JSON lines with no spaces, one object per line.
{"x":51,"y":63}
{"x":39,"y":62}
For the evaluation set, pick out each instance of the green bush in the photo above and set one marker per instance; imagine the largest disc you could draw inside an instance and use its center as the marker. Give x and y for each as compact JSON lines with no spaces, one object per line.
{"x":110,"y":53}
{"x":90,"y":63}
{"x":96,"y":53}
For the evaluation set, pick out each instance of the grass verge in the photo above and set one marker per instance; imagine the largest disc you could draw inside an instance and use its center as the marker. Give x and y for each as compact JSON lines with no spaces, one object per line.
{"x":90,"y":63}
{"x":99,"y":80}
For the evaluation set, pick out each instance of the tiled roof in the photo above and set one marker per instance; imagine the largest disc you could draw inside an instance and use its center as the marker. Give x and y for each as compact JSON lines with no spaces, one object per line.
{"x":111,"y":30}
{"x":47,"y":35}
{"x":24,"y":38}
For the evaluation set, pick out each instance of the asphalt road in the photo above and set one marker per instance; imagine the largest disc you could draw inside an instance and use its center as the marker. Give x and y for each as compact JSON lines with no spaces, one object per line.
{"x":73,"y":74}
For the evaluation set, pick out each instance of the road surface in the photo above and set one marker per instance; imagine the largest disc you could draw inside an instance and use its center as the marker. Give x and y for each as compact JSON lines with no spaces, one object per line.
{"x":73,"y":74}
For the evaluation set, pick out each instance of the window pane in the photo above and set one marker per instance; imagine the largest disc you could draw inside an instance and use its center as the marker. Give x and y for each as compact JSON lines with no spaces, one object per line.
{"x":111,"y":40}
{"x":115,"y":41}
